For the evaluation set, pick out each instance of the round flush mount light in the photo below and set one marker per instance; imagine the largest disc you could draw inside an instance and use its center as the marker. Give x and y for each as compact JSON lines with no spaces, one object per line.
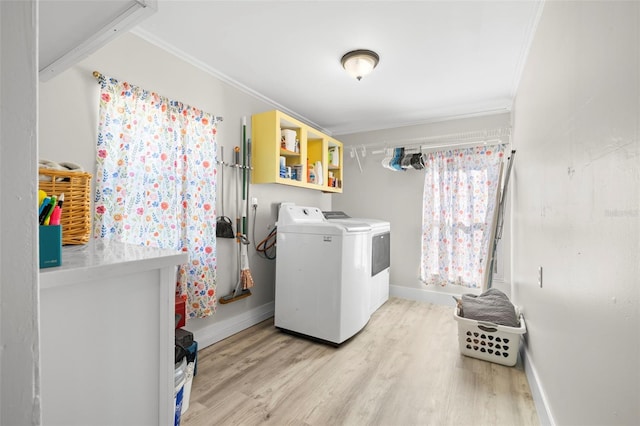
{"x":359,"y":63}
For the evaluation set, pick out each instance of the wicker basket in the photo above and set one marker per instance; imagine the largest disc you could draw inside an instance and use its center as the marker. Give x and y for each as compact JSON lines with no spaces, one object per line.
{"x":76,"y":216}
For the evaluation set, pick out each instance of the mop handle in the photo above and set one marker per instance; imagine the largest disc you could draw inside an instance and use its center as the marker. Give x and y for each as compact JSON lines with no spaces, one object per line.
{"x":244,"y":157}
{"x":244,"y":174}
{"x":222,"y":179}
{"x":236,"y":154}
{"x":248,"y":180}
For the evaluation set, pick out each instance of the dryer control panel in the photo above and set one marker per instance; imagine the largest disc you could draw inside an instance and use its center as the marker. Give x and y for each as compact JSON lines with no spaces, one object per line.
{"x":290,"y":214}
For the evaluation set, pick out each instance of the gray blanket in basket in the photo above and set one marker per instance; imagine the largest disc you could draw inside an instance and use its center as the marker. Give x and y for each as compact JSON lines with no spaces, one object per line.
{"x":491,"y":306}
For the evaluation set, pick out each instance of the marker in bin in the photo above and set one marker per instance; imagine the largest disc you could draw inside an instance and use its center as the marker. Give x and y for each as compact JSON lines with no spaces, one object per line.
{"x":50,"y":210}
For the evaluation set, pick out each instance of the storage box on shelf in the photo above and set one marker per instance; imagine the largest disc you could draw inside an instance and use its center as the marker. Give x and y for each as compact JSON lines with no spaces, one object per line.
{"x":315,"y":162}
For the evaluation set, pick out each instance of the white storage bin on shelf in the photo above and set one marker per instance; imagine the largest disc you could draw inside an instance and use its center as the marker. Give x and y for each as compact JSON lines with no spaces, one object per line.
{"x":488,"y":341}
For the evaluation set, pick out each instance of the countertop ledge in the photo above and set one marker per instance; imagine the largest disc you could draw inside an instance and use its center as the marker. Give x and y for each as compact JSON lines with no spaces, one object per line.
{"x":105,"y":258}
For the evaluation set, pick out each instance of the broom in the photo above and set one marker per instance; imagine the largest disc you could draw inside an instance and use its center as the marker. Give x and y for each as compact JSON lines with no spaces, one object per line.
{"x":238,"y":292}
{"x":245,"y":273}
{"x":245,"y":281}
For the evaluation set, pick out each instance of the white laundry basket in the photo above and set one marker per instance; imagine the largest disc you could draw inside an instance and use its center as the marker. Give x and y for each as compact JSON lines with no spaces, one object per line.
{"x":488,"y":341}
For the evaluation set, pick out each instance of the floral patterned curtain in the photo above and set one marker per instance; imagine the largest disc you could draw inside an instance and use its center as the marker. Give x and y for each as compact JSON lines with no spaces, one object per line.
{"x":459,"y":203}
{"x":156,"y":182}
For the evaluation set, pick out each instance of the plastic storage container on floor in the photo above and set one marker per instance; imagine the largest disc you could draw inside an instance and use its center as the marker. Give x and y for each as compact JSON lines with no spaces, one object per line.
{"x":488,"y":341}
{"x":179,"y":381}
{"x":186,"y":395}
{"x":192,"y":368}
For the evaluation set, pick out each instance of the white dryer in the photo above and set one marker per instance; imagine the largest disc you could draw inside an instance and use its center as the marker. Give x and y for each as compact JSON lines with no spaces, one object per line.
{"x":379,"y":254}
{"x":322,"y":275}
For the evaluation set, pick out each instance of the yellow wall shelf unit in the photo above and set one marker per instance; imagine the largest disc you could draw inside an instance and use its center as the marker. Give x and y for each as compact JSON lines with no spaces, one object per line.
{"x":267,"y":149}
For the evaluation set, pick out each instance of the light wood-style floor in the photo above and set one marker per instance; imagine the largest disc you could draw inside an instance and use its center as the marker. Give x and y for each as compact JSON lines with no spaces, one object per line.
{"x":404,"y":368}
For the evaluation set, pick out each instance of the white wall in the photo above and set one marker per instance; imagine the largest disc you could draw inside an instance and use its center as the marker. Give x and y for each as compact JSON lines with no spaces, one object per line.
{"x":68,"y":128}
{"x":576,"y":210}
{"x":397,"y":197}
{"x":20,"y":353}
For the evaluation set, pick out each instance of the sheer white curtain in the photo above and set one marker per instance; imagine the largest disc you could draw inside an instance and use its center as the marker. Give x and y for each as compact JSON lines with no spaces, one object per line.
{"x":459,"y":203}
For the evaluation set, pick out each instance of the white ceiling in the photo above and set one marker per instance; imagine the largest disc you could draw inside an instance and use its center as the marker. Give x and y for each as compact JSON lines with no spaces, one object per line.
{"x":438,"y":59}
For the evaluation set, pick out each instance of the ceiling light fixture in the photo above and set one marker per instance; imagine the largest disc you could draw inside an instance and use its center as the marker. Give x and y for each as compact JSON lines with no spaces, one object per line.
{"x":359,"y":63}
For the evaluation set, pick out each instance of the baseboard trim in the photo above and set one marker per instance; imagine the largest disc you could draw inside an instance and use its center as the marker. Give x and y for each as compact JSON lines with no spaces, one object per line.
{"x":221,"y":330}
{"x":423,"y":295}
{"x":537,"y":393}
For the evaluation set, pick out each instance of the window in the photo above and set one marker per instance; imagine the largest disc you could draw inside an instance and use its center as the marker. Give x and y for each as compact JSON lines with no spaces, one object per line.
{"x":459,"y":204}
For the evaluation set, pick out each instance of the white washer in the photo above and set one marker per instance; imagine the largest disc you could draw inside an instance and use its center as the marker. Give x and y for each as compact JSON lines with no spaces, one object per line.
{"x":322,"y":275}
{"x":379,"y":249}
